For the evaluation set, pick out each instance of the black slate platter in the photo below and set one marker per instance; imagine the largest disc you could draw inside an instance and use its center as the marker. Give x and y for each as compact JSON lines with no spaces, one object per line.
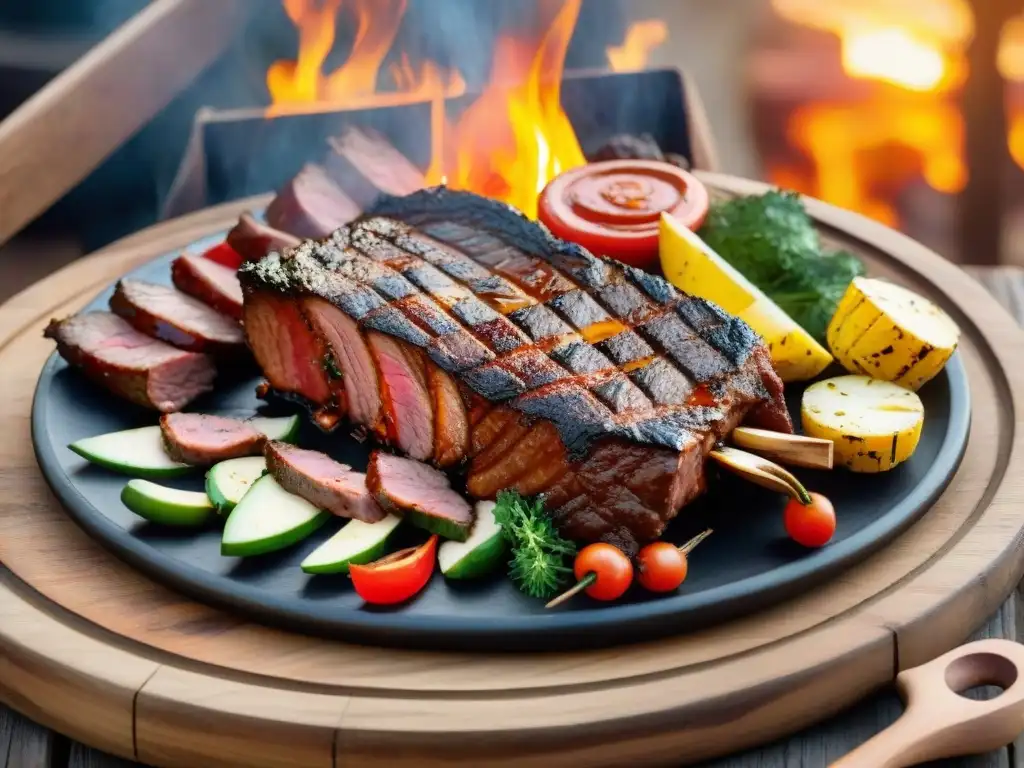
{"x":746,"y":565}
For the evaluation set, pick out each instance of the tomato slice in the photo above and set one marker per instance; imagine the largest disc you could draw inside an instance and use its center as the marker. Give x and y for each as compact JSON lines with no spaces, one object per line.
{"x":224,"y":254}
{"x":613,"y":208}
{"x":396,"y":577}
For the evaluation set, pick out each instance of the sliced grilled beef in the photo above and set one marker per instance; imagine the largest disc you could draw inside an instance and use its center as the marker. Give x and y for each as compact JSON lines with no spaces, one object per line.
{"x":167,"y":314}
{"x":254,"y":239}
{"x":365,"y":165}
{"x":322,"y":481}
{"x":597,"y":384}
{"x":213,"y":284}
{"x":202,"y":440}
{"x":130,"y":364}
{"x":311,"y":205}
{"x":419,"y":492}
{"x":294,"y":360}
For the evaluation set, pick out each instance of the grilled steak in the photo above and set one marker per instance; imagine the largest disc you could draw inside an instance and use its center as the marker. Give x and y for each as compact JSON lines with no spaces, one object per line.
{"x":322,"y":481}
{"x":167,"y":314}
{"x":202,"y":440}
{"x":213,"y":284}
{"x":311,"y":205}
{"x":420,"y":493}
{"x":130,"y":364}
{"x":254,"y":239}
{"x":365,"y":165}
{"x":464,"y":326}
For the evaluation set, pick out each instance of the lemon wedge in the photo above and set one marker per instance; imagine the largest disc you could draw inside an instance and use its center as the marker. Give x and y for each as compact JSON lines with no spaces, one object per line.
{"x":887,"y":332}
{"x":691,"y":266}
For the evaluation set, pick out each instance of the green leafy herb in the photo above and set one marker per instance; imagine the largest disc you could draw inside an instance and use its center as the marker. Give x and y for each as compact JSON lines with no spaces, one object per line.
{"x":538,"y":552}
{"x":772,"y":241}
{"x":331,"y":367}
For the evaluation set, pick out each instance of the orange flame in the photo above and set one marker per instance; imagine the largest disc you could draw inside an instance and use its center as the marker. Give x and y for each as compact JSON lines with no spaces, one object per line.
{"x":302,"y":82}
{"x":641,"y":38}
{"x":864,"y":154}
{"x":516,"y":137}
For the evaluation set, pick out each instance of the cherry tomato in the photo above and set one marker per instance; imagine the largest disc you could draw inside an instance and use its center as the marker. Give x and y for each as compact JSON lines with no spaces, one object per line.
{"x":395,"y":577}
{"x":225,"y":255}
{"x":661,"y":567}
{"x":613,"y":207}
{"x":811,"y":525}
{"x":612,"y":571}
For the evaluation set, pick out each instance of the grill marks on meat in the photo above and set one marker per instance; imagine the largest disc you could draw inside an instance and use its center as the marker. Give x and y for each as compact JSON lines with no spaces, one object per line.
{"x":213,"y":284}
{"x":202,"y":440}
{"x":130,"y":364}
{"x":167,"y":314}
{"x":572,"y":371}
{"x":310,"y":205}
{"x":321,"y":481}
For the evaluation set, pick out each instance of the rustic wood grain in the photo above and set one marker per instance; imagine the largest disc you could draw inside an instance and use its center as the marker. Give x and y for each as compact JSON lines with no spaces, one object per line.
{"x":721,"y":689}
{"x":53,"y":140}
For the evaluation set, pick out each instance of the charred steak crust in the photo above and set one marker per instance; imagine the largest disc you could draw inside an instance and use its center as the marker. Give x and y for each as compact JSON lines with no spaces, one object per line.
{"x":635,"y":379}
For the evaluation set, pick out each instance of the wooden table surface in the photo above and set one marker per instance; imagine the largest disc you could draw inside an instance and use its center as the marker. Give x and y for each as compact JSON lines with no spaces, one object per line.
{"x":23,"y":744}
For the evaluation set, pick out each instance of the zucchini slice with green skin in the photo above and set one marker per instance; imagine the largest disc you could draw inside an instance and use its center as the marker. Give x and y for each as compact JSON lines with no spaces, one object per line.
{"x":267,"y":519}
{"x":484,"y":552}
{"x":283,"y":428}
{"x":167,"y":506}
{"x":357,"y":542}
{"x":228,"y":481}
{"x":135,"y":452}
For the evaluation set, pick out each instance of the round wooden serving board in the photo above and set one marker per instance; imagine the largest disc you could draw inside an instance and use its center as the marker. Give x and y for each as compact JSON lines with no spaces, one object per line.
{"x":92,"y":648}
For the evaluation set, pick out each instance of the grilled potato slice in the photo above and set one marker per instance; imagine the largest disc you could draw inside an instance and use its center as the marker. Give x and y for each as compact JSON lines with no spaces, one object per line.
{"x":873,"y":424}
{"x":887,"y":332}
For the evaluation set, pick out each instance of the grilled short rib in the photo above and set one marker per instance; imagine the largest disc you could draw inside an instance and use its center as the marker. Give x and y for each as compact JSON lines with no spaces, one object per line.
{"x":130,"y":364}
{"x":457,"y":330}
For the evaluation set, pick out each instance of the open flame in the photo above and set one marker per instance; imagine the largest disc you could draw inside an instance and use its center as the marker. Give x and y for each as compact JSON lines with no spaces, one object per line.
{"x":516,"y":137}
{"x":641,"y":38}
{"x":507,"y":145}
{"x":303,"y":82}
{"x":909,"y":127}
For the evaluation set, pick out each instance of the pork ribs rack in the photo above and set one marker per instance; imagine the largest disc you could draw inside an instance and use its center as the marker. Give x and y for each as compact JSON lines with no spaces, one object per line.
{"x":462,"y":333}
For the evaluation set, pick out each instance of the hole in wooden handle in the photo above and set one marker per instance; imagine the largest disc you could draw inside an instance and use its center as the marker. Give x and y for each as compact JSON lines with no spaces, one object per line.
{"x":977,"y":669}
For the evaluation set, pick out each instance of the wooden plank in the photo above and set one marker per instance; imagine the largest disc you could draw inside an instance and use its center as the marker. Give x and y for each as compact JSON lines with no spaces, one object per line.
{"x":53,"y":140}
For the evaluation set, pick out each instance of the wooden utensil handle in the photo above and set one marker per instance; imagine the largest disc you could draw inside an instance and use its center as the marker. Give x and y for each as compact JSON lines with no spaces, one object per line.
{"x":940,"y":722}
{"x":795,"y":450}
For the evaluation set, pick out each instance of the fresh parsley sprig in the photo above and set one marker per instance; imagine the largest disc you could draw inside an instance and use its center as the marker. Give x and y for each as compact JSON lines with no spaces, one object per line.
{"x":538,"y":551}
{"x":772,"y":242}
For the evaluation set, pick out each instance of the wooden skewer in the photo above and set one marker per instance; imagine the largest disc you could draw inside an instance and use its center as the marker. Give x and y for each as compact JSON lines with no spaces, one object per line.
{"x":761,"y":471}
{"x":795,"y":450}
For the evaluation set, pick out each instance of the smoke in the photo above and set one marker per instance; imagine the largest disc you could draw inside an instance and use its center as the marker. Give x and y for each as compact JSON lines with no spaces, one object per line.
{"x":128,"y":191}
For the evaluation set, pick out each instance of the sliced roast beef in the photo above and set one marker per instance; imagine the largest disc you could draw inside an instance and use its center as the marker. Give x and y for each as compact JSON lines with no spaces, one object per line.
{"x":599,"y":385}
{"x":322,"y":481}
{"x":253,"y":239}
{"x":130,"y":364}
{"x":419,"y":492}
{"x":294,"y":360}
{"x":202,"y":440}
{"x":365,"y":165}
{"x":408,"y":410}
{"x":311,"y":205}
{"x":213,"y":284}
{"x":353,"y":359}
{"x":167,"y":314}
